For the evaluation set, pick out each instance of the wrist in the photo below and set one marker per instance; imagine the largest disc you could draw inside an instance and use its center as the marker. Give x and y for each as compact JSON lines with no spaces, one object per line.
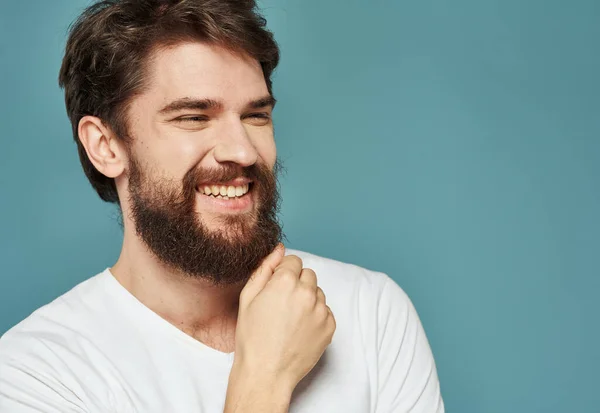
{"x":250,"y":386}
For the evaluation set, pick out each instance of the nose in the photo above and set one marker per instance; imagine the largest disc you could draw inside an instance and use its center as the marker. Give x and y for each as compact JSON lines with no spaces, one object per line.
{"x":234,"y":144}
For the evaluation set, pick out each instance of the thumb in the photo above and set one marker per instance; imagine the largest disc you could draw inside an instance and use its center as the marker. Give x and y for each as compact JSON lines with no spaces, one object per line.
{"x":262,"y":275}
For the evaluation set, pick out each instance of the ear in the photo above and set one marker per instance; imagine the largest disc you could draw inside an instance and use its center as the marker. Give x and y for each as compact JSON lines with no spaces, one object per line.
{"x":103,"y":149}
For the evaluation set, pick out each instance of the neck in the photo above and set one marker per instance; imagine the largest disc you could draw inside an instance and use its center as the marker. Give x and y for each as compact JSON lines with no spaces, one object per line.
{"x":194,"y":305}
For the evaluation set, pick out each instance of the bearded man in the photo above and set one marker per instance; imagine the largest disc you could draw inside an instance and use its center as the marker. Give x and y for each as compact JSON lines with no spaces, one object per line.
{"x":204,"y":311}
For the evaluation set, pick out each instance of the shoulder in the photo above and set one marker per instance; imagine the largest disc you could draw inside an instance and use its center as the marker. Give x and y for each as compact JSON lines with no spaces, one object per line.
{"x":58,"y":323}
{"x":50,"y":351}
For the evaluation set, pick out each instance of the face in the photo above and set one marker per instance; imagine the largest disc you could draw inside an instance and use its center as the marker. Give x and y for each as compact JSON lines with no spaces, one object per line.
{"x":202,"y":168}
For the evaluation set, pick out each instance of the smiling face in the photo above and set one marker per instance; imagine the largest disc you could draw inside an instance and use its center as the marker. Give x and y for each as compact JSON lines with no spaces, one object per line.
{"x":201,"y":188}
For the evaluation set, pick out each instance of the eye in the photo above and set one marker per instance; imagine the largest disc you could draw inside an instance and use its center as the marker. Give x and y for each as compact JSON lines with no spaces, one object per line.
{"x":259,"y":118}
{"x":196,"y":118}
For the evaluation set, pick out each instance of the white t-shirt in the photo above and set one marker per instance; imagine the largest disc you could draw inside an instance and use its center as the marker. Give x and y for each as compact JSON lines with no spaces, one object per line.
{"x":98,"y":349}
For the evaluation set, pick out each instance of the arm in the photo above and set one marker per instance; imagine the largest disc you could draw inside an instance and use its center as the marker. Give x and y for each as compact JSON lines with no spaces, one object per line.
{"x":23,"y":390}
{"x":408,"y":380}
{"x":248,"y":393}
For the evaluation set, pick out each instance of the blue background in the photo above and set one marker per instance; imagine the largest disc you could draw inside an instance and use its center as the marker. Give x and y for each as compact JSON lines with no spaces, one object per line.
{"x":453,"y":145}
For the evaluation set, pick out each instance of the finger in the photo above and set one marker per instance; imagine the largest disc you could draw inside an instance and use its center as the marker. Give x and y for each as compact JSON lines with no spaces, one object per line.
{"x":321,"y":296}
{"x":309,"y":278}
{"x":290,"y":263}
{"x":261,"y":276}
{"x":331,"y":320}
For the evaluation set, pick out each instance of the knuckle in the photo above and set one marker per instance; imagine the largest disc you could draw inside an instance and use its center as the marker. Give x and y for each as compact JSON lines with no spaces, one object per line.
{"x":294,"y":259}
{"x":307,"y":295}
{"x":322,"y":311}
{"x":331,"y":320}
{"x":309,"y":272}
{"x":287,"y":277}
{"x":321,"y":295}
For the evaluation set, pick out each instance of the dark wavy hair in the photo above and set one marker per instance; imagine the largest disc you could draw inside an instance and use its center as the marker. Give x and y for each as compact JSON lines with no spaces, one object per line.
{"x":108,"y":48}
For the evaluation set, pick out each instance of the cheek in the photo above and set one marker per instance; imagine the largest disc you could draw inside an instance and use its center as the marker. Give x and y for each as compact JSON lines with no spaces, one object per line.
{"x":265,"y":146}
{"x":177,"y":154}
{"x":188,"y":151}
{"x":164,"y":151}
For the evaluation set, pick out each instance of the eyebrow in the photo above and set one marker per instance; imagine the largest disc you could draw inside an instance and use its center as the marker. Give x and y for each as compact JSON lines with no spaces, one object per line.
{"x":264,"y":102}
{"x":193,"y":104}
{"x":212,"y":104}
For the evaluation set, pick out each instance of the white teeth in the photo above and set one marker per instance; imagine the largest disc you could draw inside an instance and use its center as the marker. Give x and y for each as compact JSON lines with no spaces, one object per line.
{"x":224,"y":192}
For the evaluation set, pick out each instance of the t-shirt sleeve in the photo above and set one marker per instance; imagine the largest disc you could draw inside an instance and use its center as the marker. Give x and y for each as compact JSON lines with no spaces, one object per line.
{"x":407,"y":376}
{"x":27,"y":390}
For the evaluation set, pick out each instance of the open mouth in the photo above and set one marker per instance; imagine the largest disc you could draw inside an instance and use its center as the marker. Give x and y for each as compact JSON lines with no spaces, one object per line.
{"x":225,"y":192}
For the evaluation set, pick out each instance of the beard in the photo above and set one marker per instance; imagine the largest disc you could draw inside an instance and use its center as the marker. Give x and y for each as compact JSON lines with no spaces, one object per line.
{"x":166,"y":219}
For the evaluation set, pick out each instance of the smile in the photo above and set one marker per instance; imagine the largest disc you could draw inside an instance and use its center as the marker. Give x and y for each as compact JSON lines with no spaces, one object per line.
{"x":224,"y":192}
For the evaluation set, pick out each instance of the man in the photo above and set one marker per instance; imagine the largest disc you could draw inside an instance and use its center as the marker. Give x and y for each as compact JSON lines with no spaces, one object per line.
{"x":171,"y":106}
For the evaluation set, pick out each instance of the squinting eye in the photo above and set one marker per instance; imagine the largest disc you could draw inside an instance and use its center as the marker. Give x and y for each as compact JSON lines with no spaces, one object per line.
{"x":193,"y":119}
{"x":260,"y":117}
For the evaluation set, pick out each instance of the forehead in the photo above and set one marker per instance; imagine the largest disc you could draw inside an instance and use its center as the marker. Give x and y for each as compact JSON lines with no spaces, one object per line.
{"x":198,"y":70}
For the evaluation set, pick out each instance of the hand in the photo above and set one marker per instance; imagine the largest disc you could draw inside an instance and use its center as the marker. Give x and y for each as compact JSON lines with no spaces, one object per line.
{"x":284,"y":324}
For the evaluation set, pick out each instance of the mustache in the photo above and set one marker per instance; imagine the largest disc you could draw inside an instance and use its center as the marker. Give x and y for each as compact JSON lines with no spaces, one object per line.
{"x":260,"y":174}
